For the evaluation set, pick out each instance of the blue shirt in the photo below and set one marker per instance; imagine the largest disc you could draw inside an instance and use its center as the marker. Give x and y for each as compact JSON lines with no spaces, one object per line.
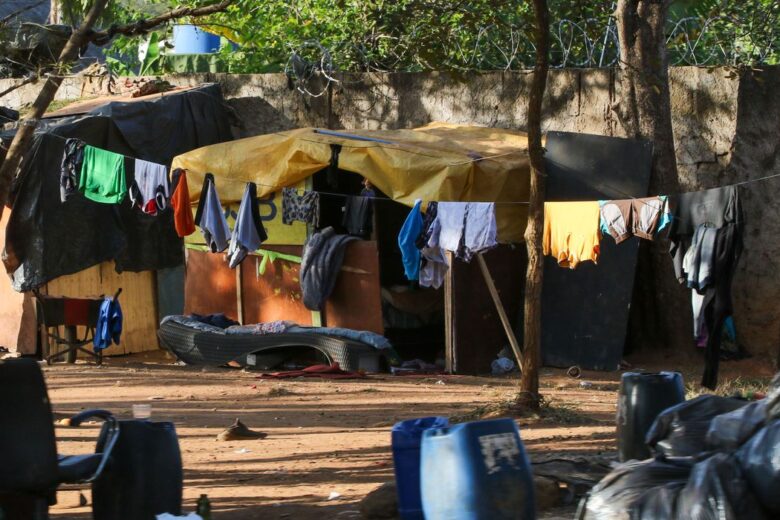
{"x":109,"y":324}
{"x":406,"y":242}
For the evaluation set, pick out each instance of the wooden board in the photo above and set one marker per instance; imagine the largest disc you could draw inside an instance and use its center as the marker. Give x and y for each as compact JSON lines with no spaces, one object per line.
{"x":276,"y":294}
{"x":138,"y":300}
{"x":209,"y":285}
{"x":476,"y":333}
{"x":356,"y":302}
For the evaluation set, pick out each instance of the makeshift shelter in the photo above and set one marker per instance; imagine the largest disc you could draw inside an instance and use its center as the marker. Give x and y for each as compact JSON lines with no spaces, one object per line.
{"x":438,"y":162}
{"x":65,"y":248}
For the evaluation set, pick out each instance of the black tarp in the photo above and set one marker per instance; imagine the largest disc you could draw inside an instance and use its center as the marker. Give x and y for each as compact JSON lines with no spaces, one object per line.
{"x":585,"y":310}
{"x":47,"y":238}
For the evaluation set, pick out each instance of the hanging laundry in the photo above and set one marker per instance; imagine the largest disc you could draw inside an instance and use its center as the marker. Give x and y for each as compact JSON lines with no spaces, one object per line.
{"x":303,"y":208}
{"x":70,"y":167}
{"x":323,"y":254}
{"x":430,"y":216}
{"x":643,"y":218}
{"x":407,"y":238}
{"x":149,"y":191}
{"x":571,"y":232}
{"x":695,"y":215}
{"x":466,"y":228}
{"x":358,"y":216}
{"x":210,"y":217}
{"x":109,"y":324}
{"x":480,"y":231}
{"x":180,"y":202}
{"x":248,"y":233}
{"x":434,"y":267}
{"x":102,"y":176}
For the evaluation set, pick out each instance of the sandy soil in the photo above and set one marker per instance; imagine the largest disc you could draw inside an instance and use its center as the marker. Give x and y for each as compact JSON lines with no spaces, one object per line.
{"x":323,"y":436}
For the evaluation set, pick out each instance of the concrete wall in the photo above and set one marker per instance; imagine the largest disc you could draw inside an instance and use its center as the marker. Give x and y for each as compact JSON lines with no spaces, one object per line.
{"x":727,"y":129}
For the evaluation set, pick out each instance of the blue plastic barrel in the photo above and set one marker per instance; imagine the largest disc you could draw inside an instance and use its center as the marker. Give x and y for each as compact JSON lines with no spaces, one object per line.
{"x":476,"y":471}
{"x":191,"y":39}
{"x":406,"y":437}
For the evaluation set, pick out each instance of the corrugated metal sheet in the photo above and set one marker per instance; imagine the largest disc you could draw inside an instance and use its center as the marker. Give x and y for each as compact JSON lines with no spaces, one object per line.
{"x":138,"y":302}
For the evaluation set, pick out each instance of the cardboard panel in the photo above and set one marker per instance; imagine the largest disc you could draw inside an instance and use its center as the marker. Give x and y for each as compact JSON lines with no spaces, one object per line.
{"x":585,"y":310}
{"x":209,"y":285}
{"x":356,"y":301}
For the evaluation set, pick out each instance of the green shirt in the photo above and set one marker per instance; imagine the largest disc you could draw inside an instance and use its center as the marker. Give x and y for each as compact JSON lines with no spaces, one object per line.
{"x":102,"y":176}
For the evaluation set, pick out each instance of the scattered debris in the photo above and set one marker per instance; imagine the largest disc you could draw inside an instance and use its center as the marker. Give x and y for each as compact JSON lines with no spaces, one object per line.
{"x":242,"y":451}
{"x":156,"y":398}
{"x":574,"y":371}
{"x":585,"y":384}
{"x":279,"y":391}
{"x":334,"y":495}
{"x":440,"y":382}
{"x":238,"y":432}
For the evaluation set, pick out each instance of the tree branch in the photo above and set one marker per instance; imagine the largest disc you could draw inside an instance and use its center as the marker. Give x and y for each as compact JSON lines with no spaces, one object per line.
{"x":24,"y":134}
{"x":144,"y":26}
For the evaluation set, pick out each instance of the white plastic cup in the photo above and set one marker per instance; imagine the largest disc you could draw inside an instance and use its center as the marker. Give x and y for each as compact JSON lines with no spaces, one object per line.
{"x":142,"y":411}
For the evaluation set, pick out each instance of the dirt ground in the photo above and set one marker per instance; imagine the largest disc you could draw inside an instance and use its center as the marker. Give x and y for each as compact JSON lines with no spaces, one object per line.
{"x":323,"y":436}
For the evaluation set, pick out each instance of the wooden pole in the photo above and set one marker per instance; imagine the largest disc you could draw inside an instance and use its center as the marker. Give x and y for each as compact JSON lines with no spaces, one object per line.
{"x":510,"y":334}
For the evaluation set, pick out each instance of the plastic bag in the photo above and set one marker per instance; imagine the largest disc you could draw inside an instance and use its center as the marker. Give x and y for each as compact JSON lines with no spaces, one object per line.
{"x":619,"y":495}
{"x":773,"y":399}
{"x":680,"y":431}
{"x":729,"y":431}
{"x":717,"y":490}
{"x":760,"y":459}
{"x":658,"y":503}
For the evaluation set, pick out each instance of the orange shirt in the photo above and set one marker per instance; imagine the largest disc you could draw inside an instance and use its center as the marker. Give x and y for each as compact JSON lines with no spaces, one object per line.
{"x":571,"y":232}
{"x":182,"y":211}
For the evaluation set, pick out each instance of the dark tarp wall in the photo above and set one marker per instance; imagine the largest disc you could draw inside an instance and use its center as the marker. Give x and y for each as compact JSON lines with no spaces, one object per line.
{"x":46,"y":238}
{"x":585,"y":310}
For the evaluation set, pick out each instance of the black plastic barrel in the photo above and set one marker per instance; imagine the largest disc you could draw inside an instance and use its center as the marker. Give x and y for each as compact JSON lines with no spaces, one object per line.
{"x":144,"y":477}
{"x":641,"y":398}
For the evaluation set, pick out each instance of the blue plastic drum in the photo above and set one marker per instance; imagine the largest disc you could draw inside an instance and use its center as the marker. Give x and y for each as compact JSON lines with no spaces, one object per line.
{"x":407,"y":436}
{"x":191,"y":39}
{"x":476,"y":471}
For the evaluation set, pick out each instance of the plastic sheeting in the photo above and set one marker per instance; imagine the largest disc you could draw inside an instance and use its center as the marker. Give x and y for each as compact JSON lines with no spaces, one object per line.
{"x":440,"y":162}
{"x":46,"y":238}
{"x":760,"y":458}
{"x":681,"y":430}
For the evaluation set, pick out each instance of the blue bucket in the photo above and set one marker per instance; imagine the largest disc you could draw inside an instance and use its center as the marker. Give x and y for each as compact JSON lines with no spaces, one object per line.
{"x":191,"y":39}
{"x":406,"y":437}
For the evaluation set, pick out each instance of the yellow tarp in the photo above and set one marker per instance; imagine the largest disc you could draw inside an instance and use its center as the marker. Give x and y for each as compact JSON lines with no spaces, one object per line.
{"x":440,"y":162}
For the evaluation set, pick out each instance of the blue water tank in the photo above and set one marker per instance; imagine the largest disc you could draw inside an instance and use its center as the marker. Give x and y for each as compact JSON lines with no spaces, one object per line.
{"x":476,"y":471}
{"x":406,"y":439}
{"x":191,"y":39}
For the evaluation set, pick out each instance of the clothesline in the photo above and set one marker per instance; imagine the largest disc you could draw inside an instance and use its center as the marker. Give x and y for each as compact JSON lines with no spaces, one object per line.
{"x":522,"y":203}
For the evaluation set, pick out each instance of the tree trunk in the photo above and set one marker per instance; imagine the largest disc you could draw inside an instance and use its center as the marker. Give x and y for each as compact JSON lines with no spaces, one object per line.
{"x":660,"y":314}
{"x":24,"y":135}
{"x":532,"y":329}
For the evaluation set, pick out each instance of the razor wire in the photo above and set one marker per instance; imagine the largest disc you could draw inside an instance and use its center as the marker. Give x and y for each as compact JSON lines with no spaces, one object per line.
{"x":719,"y":40}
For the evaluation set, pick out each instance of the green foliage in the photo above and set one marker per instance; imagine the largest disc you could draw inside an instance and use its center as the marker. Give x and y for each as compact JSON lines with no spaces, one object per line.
{"x":412,"y":35}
